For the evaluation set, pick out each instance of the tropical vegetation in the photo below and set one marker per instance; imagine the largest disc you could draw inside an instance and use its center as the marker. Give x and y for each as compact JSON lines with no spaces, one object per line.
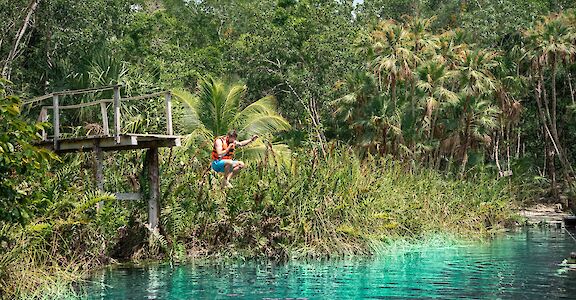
{"x":378,"y":120}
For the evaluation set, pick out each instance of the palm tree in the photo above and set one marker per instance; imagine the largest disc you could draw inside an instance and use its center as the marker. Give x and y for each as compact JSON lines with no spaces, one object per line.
{"x":450,"y":45}
{"x":477,"y":82}
{"x":391,"y":44}
{"x":424,"y":46}
{"x":433,"y":83}
{"x":550,"y":42}
{"x":215,"y":109}
{"x":357,"y":108}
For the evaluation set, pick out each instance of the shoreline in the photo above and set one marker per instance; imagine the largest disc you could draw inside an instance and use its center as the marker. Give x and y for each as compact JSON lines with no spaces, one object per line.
{"x":541,"y":214}
{"x":397,"y":245}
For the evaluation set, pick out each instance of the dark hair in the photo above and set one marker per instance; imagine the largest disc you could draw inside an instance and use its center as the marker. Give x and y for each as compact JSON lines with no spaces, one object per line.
{"x":232,"y":133}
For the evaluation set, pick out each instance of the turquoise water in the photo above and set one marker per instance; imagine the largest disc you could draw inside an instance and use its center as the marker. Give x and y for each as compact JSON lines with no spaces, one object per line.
{"x":523,"y":265}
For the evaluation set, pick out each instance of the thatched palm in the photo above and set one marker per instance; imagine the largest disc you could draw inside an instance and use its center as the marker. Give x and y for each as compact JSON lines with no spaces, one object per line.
{"x":215,"y":109}
{"x":357,"y":108}
{"x":550,"y":42}
{"x":394,"y":55}
{"x":434,"y":79}
{"x":477,"y":82}
{"x":449,"y":46}
{"x":424,"y":46}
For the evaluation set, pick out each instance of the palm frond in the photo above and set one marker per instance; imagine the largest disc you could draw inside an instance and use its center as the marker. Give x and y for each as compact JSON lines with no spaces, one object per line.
{"x":259,"y":149}
{"x":260,"y":118}
{"x":215,"y":109}
{"x":191,"y":118}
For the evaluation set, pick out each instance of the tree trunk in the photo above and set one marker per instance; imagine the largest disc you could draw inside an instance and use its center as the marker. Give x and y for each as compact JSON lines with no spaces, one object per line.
{"x":497,"y":157}
{"x":414,"y":78}
{"x":466,"y":136}
{"x":384,"y":134}
{"x":572,"y":95}
{"x":393,"y":91}
{"x":552,"y":171}
{"x":466,"y":146}
{"x":412,"y":97}
{"x":314,"y":117}
{"x":549,"y":125}
{"x":566,"y":166}
{"x":7,"y":69}
{"x":553,"y":109}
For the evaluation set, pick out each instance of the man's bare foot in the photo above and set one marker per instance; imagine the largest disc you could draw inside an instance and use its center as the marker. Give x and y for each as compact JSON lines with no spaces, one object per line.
{"x":226,"y":184}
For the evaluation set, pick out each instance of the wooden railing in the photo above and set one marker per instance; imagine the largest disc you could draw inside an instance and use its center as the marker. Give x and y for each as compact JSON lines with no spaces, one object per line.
{"x":56,"y":107}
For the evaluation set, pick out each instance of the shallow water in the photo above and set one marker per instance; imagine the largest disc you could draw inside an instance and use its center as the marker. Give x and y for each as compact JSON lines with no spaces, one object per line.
{"x":522,"y":265}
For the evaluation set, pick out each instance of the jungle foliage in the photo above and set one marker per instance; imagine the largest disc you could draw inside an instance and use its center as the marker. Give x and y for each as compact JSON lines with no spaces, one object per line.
{"x":378,"y":120}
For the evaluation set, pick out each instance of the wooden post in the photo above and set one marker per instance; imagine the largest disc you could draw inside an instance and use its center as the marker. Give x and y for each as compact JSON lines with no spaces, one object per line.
{"x":56,"y":120}
{"x":153,"y":172}
{"x":43,"y":119}
{"x":104,"y":118}
{"x":169,"y":130}
{"x":117,"y":113}
{"x":99,"y":172}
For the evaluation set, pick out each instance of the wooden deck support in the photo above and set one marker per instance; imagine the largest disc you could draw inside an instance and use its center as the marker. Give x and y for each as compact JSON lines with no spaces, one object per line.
{"x":104,"y":112}
{"x":56,"y":120}
{"x":43,"y":118}
{"x":169,"y":130}
{"x":117,"y":113}
{"x":99,"y":160}
{"x":153,"y":172}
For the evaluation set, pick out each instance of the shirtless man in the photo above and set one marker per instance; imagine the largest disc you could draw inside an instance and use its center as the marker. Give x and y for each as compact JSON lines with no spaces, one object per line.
{"x":223,"y":156}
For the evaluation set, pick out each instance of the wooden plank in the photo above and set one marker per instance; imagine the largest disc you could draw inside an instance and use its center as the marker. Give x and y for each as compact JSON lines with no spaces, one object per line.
{"x":153,"y":172}
{"x":88,"y":90}
{"x":152,"y":135}
{"x":108,"y":143}
{"x":104,"y":112}
{"x":71,"y":92}
{"x":142,"y":97}
{"x":81,"y":105}
{"x":56,"y":121}
{"x":38,"y":99}
{"x":128,"y":196}
{"x":132,"y":137}
{"x":87,"y":144}
{"x":169,"y":129}
{"x":117,"y":114}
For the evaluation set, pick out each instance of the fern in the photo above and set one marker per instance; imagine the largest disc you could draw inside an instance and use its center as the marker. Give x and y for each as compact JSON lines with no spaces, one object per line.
{"x":177,"y":217}
{"x":91,"y":199}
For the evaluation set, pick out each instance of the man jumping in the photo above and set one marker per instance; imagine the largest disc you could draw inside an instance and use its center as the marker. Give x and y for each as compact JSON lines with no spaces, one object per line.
{"x":223,"y":156}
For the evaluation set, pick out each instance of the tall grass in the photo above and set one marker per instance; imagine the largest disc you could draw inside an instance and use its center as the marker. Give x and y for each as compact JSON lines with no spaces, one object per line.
{"x":337,"y":206}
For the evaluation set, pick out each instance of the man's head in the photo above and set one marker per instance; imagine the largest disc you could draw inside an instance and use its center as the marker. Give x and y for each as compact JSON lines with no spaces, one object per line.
{"x":231,"y":135}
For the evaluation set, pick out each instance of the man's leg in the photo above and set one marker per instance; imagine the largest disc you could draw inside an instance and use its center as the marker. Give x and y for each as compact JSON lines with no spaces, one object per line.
{"x":239,"y":165}
{"x":228,"y":170}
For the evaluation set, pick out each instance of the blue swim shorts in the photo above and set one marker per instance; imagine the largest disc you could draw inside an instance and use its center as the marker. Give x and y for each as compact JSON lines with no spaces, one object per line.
{"x":218,"y":165}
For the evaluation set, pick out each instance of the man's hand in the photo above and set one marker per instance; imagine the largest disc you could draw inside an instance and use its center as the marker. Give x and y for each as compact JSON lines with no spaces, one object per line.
{"x":231,"y":147}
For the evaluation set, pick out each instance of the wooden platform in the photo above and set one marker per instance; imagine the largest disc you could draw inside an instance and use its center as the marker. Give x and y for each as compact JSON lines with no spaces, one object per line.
{"x":111,"y":140}
{"x":109,"y":143}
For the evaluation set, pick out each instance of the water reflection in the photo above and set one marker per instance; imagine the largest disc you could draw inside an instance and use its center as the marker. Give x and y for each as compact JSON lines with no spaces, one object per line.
{"x":521,"y":265}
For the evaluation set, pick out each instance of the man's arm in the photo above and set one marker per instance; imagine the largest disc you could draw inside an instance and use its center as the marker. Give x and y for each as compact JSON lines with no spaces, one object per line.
{"x":246,"y":142}
{"x":220,"y":150}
